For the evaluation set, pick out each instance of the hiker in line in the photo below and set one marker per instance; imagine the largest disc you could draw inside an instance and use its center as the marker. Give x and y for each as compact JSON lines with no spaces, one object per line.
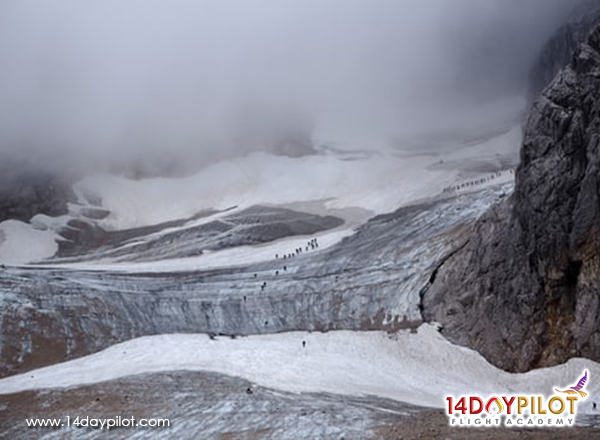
{"x":244,"y":298}
{"x":276,"y":272}
{"x":276,"y":256}
{"x":304,"y":346}
{"x":285,"y":268}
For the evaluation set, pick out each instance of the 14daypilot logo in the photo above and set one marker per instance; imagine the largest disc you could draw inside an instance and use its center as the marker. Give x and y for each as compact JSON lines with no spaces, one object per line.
{"x":526,"y":410}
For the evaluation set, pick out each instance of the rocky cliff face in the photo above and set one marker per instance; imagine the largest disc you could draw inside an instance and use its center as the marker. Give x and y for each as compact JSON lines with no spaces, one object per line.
{"x":558,"y":51}
{"x":523,"y":288}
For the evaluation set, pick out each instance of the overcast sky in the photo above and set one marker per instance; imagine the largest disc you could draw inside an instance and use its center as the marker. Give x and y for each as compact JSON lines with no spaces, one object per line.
{"x":120,"y":75}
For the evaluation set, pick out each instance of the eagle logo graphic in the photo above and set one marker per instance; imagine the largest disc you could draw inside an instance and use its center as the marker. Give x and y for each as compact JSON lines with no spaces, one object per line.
{"x":577,"y":388}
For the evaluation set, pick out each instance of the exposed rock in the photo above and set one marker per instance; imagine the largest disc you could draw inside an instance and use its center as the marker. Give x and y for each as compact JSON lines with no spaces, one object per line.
{"x":558,"y":51}
{"x":25,"y":192}
{"x":523,"y":289}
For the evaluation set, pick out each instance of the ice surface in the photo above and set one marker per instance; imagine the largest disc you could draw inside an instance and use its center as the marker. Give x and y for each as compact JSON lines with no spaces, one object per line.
{"x":237,"y":256}
{"x":417,"y":368}
{"x":378,"y":182}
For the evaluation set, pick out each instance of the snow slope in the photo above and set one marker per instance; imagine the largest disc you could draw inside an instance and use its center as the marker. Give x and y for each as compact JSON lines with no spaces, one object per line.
{"x":377,"y":184}
{"x":416,"y":368}
{"x":22,"y":243}
{"x":237,"y":256}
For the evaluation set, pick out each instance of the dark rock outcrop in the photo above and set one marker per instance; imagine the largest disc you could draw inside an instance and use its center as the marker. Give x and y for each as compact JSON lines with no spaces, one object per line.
{"x":25,"y":192}
{"x":558,"y":51}
{"x":524,"y":289}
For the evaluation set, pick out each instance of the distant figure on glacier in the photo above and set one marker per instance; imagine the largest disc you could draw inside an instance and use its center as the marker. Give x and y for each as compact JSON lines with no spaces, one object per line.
{"x":2,"y":266}
{"x":303,"y":344}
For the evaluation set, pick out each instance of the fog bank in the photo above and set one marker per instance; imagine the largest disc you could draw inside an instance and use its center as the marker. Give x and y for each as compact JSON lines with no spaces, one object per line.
{"x":109,"y":81}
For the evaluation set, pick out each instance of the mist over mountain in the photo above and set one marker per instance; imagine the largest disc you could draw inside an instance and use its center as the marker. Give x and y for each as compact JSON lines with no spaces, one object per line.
{"x":108,"y":82}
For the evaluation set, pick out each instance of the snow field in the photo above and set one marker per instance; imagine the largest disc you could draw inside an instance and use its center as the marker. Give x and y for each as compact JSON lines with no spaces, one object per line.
{"x":419,"y":369}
